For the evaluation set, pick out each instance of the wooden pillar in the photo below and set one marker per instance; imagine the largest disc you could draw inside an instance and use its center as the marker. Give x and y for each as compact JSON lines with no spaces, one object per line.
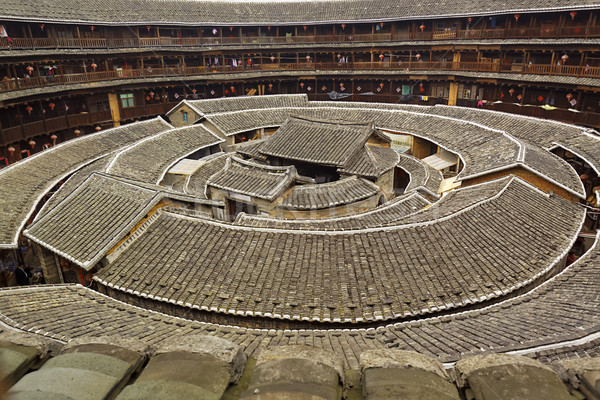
{"x":453,"y":95}
{"x":113,"y":103}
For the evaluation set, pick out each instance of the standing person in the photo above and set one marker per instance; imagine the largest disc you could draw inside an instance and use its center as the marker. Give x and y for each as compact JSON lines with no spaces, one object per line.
{"x":22,"y":275}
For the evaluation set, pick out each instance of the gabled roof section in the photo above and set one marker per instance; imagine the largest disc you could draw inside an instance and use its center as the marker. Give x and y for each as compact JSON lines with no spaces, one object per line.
{"x":331,"y":143}
{"x":372,"y":162}
{"x":252,"y":179}
{"x":92,"y":219}
{"x":24,"y":183}
{"x":251,"y":149}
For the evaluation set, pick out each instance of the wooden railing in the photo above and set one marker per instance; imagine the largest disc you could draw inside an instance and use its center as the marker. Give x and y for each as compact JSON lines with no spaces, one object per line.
{"x":464,"y":34}
{"x":49,"y":125}
{"x":43,"y":81}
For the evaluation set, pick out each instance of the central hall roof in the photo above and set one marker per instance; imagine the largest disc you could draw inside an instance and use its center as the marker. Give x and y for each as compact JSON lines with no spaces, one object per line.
{"x":332,"y":143}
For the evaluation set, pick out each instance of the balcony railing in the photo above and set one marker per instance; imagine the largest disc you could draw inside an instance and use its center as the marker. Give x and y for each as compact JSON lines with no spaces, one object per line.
{"x":516,"y":69}
{"x":49,"y":125}
{"x":461,"y":34}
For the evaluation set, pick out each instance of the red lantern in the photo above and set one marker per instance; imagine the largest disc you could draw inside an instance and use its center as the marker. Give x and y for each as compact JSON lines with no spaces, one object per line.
{"x":511,"y":91}
{"x":11,"y":150}
{"x":151,"y":94}
{"x":42,"y":26}
{"x":381,"y":24}
{"x":269,"y":28}
{"x":381,"y":57}
{"x":573,"y":14}
{"x":51,"y":105}
{"x":148,"y":27}
{"x":343,"y":26}
{"x":29,"y":70}
{"x":94,"y":66}
{"x":422,"y":27}
{"x":77,"y":132}
{"x":307,"y":58}
{"x":302,"y":85}
{"x":98,"y":129}
{"x":304,"y":27}
{"x":272,"y":58}
{"x":470,"y":20}
{"x":517,"y":16}
{"x":92,"y":28}
{"x":231,"y":29}
{"x":29,"y":109}
{"x":32,"y":143}
{"x":53,"y":137}
{"x":564,"y":58}
{"x":418,"y":56}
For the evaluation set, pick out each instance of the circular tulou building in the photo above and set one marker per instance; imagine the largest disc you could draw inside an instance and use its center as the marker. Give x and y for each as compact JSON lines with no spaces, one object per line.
{"x":301,"y":200}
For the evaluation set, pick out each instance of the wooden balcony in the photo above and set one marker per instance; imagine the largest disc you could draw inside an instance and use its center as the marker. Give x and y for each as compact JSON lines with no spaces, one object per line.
{"x":581,"y":31}
{"x":516,"y":69}
{"x":50,"y":125}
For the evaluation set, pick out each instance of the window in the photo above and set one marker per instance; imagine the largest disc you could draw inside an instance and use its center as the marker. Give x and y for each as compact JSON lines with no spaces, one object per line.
{"x":127,"y":100}
{"x":185,"y":116}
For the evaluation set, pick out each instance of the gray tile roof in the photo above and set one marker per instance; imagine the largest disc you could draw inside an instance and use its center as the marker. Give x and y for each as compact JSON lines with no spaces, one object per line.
{"x":23,"y":184}
{"x":325,"y":142}
{"x":252,"y":179}
{"x":223,"y":13}
{"x":373,"y":162}
{"x":226,"y":104}
{"x":387,"y":214}
{"x":564,"y":309}
{"x":251,"y":149}
{"x":149,"y":159}
{"x":195,"y":184}
{"x":535,"y":242}
{"x":92,"y":219}
{"x":481,"y":148}
{"x":422,"y":175}
{"x":326,"y":195}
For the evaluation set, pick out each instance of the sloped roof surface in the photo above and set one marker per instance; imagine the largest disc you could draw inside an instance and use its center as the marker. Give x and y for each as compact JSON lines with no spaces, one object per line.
{"x":117,"y":12}
{"x":320,"y":142}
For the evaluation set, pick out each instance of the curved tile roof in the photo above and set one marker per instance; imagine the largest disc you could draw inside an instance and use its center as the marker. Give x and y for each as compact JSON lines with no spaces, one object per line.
{"x":326,"y":195}
{"x":563,"y":312}
{"x":392,"y":272}
{"x":179,"y":12}
{"x":149,"y":159}
{"x":481,"y":148}
{"x":422,"y":176}
{"x":23,"y":184}
{"x":256,"y":180}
